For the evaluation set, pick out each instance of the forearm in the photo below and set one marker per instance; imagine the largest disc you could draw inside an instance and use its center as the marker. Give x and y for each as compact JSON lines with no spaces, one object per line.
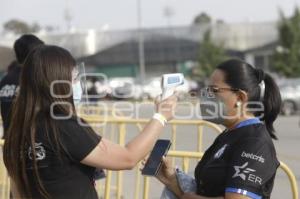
{"x":174,"y":186}
{"x":142,"y":144}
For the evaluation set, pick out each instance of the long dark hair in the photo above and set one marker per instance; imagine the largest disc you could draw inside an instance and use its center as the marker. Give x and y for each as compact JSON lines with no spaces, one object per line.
{"x":42,"y":66}
{"x":241,"y":75}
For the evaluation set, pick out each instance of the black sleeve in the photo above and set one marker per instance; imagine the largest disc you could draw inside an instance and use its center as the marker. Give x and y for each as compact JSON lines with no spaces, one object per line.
{"x":252,"y":164}
{"x":7,"y":94}
{"x":77,"y":140}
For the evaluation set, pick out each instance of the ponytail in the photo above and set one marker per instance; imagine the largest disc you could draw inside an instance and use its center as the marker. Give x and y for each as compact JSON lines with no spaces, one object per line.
{"x":272,"y":104}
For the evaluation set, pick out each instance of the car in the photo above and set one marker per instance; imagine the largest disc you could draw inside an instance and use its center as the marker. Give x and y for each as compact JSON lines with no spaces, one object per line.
{"x":97,"y":89}
{"x":151,"y":88}
{"x":290,"y":94}
{"x":124,"y":88}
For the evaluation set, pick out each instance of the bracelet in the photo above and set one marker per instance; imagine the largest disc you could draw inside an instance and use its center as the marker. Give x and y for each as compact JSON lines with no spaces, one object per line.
{"x":160,"y":118}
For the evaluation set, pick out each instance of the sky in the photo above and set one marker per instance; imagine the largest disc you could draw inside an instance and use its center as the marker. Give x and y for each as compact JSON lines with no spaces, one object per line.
{"x":122,"y":14}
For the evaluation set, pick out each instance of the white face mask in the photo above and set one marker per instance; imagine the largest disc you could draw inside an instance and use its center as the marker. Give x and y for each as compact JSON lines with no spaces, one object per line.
{"x":77,"y":92}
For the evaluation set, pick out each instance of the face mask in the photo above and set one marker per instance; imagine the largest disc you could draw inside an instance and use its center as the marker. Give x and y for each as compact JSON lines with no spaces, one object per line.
{"x":213,"y":109}
{"x":77,"y":92}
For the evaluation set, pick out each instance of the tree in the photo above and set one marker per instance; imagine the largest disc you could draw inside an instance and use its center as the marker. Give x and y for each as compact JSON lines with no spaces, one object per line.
{"x":202,"y":18}
{"x":286,"y":59}
{"x":50,"y":28}
{"x":35,"y":27}
{"x":220,"y":21}
{"x":20,"y":27}
{"x":210,"y":56}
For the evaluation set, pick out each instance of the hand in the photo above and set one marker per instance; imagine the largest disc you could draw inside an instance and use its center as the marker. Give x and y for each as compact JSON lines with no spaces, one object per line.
{"x":166,"y":174}
{"x":166,"y":107}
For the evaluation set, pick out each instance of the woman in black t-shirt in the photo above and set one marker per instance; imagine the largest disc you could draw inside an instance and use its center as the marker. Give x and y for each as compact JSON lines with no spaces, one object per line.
{"x":50,"y":152}
{"x":241,"y":163}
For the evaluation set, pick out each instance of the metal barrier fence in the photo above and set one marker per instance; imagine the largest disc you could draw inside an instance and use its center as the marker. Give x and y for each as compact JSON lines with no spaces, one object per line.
{"x":120,"y":124}
{"x":107,"y":190}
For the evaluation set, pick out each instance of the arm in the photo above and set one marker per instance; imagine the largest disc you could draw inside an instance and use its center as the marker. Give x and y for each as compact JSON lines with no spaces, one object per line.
{"x":167,"y":176}
{"x":108,"y":155}
{"x":172,"y":184}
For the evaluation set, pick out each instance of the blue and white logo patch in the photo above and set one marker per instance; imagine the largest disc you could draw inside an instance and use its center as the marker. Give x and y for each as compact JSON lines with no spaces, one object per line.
{"x":220,"y":152}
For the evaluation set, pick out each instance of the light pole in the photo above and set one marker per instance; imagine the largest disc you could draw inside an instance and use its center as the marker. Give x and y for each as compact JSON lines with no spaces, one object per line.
{"x":168,"y":13}
{"x":141,"y":43}
{"x":68,"y":17}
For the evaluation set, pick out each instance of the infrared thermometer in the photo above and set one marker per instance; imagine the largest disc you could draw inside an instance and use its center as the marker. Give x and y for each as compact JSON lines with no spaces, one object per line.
{"x":169,"y":82}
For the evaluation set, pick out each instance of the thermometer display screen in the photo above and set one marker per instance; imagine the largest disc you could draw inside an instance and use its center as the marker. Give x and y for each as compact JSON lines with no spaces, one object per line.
{"x":172,"y":80}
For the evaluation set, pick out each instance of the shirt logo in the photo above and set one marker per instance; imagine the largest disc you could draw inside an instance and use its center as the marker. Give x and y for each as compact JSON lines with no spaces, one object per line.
{"x":253,"y":157}
{"x":8,"y":91}
{"x":39,"y":150}
{"x":220,"y":151}
{"x":246,"y":174}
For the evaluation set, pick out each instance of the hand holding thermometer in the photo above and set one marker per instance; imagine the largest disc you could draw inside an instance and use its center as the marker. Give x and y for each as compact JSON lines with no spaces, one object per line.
{"x":169,"y":82}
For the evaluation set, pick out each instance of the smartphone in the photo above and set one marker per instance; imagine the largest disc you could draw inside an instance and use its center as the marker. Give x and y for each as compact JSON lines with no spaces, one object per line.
{"x":154,"y":161}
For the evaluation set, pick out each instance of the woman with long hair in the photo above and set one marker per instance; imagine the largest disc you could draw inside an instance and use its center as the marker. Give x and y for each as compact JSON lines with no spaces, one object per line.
{"x":47,"y":153}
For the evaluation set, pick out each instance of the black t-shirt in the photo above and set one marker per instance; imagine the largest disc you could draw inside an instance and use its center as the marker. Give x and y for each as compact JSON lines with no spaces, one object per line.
{"x":60,"y":170}
{"x":8,"y":88}
{"x":242,"y":160}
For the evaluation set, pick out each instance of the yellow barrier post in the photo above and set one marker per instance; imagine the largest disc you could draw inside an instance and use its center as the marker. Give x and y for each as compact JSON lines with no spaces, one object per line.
{"x":185,"y":164}
{"x":174,"y":136}
{"x":138,"y":173}
{"x":200,"y":137}
{"x":107,"y":185}
{"x":146,"y":188}
{"x":137,"y":183}
{"x":292,"y":179}
{"x":122,"y":134}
